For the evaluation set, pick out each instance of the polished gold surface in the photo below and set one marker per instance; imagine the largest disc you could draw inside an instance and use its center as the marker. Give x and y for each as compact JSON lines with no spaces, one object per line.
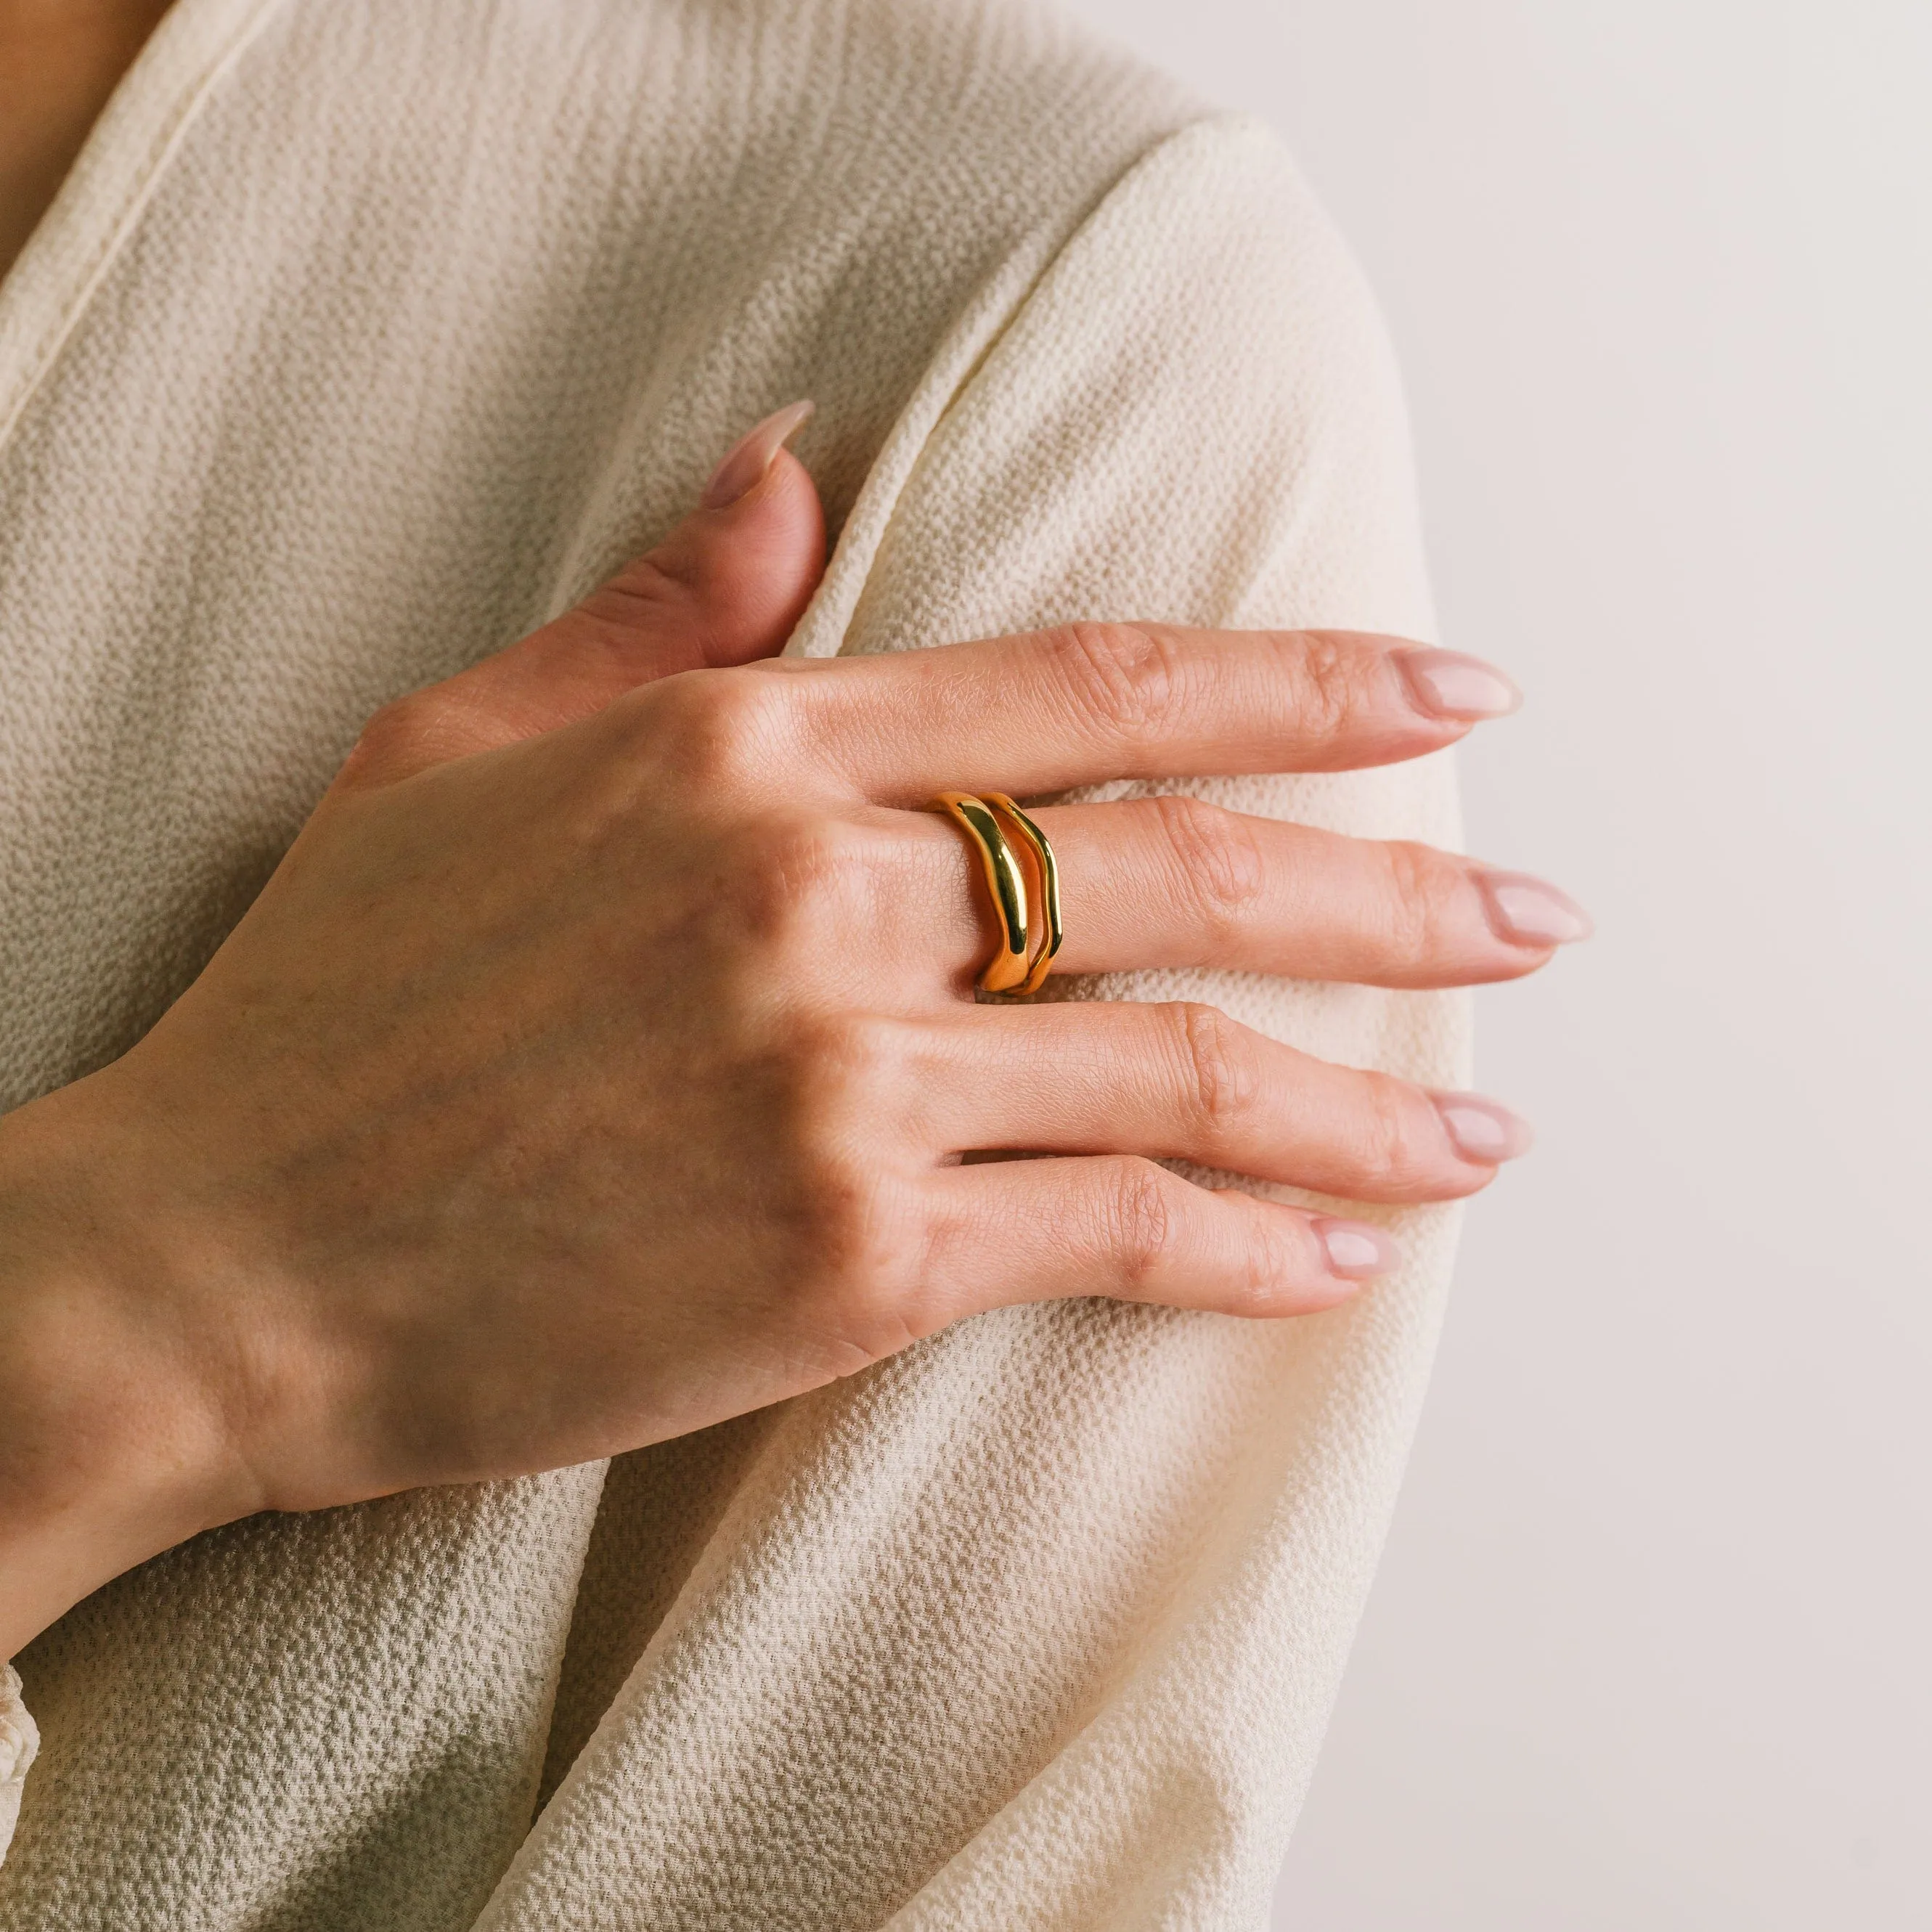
{"x":1045,"y":894}
{"x":1001,"y":866}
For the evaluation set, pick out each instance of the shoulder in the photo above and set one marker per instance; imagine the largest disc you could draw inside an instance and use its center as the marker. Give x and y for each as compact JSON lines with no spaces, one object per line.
{"x":1192,"y":412}
{"x":943,"y":121}
{"x":851,"y":152}
{"x":1212,"y":253}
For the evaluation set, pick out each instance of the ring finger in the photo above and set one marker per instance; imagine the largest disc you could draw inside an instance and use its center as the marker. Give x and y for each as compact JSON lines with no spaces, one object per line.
{"x":1173,"y":881}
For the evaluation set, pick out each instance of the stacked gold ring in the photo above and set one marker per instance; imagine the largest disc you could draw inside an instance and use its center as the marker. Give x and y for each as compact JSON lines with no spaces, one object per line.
{"x":1023,"y":881}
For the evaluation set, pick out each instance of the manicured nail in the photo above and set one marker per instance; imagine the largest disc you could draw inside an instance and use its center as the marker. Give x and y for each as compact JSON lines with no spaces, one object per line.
{"x":1356,"y":1251}
{"x":1452,"y":684}
{"x":1482,"y":1130}
{"x":1532,"y":911}
{"x":750,"y":458}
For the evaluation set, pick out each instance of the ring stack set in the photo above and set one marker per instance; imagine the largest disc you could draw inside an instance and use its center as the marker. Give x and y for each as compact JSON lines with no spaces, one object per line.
{"x":1024,"y":883}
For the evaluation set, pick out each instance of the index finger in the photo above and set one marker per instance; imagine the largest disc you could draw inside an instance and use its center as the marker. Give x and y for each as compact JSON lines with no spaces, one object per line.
{"x":1085,"y":703}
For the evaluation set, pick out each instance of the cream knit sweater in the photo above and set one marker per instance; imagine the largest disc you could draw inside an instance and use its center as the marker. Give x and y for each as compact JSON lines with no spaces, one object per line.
{"x":366,"y":335}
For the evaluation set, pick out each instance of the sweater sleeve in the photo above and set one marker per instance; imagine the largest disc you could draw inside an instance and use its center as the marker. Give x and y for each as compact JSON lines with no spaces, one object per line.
{"x":1038,"y":1625}
{"x":19,"y":1741}
{"x":1196,"y":417}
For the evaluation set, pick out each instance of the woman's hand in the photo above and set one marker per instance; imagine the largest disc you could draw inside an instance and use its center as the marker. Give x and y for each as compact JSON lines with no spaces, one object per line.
{"x":598,"y":1062}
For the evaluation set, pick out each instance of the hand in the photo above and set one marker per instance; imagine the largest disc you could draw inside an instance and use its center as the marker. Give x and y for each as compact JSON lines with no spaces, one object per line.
{"x":598,"y":1062}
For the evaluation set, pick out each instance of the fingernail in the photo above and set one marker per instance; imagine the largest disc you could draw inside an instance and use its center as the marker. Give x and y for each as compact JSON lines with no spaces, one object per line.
{"x":1356,"y":1251}
{"x":1452,"y":684}
{"x":1482,"y":1129}
{"x":750,"y":457}
{"x":1532,"y":911}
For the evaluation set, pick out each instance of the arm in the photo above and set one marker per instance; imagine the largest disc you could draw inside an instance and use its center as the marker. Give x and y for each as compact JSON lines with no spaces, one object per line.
{"x":1039,"y":1624}
{"x":394,"y":1308}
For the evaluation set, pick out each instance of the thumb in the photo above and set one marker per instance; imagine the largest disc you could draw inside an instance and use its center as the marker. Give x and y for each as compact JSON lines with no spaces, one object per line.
{"x":726,"y":586}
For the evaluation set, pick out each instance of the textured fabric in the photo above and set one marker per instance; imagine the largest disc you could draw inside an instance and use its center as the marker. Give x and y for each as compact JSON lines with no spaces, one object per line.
{"x":19,"y":1742}
{"x":366,"y":336}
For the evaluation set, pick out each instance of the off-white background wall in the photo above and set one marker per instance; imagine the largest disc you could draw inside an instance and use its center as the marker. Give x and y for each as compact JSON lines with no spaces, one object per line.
{"x":1648,"y":1651}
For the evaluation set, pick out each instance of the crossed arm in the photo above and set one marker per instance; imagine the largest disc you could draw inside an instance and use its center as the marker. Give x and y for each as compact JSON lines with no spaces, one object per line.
{"x":600,"y":1062}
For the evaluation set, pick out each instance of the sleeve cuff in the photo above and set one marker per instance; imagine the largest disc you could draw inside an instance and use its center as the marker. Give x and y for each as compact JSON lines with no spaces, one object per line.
{"x":19,"y":1742}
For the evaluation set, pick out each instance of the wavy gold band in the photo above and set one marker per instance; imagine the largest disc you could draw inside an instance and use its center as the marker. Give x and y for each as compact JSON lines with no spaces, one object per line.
{"x":1022,"y":880}
{"x":1044,"y":892}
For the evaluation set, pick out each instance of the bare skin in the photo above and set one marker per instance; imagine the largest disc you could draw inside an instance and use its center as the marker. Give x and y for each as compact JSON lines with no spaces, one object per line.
{"x":600,"y":1062}
{"x":59,"y":61}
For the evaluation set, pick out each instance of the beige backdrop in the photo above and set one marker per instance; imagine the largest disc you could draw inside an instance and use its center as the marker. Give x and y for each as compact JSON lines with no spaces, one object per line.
{"x":1648,"y":1647}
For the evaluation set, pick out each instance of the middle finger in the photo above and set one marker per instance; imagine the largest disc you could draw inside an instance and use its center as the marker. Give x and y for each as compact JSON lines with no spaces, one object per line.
{"x":1055,"y":709}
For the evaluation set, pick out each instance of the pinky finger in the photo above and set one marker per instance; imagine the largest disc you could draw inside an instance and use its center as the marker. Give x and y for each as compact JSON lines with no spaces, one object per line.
{"x":1009,"y":1231}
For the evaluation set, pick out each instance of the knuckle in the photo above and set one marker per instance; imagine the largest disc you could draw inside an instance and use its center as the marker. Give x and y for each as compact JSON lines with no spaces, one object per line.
{"x":787,"y":882}
{"x":396,"y":719}
{"x":1400,"y":1135}
{"x":864,"y":1247}
{"x":715,"y":732}
{"x":422,"y":727}
{"x":858,"y":1067}
{"x":1218,"y":858}
{"x":656,"y":600}
{"x":1127,"y":678}
{"x":866,"y":1232}
{"x":416,"y":718}
{"x":1138,"y":1207}
{"x":1219,"y":1078}
{"x":1274,"y":1255}
{"x":670,"y":578}
{"x":1286,"y":1252}
{"x":1331,"y":682}
{"x":1423,"y":887}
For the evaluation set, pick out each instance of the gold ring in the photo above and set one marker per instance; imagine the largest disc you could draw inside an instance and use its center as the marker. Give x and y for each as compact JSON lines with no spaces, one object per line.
{"x":1047,"y":871}
{"x":1025,"y":892}
{"x":1006,"y":884}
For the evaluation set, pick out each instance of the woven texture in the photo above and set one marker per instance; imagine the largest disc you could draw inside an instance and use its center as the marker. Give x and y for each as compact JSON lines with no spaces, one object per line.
{"x":363,"y":338}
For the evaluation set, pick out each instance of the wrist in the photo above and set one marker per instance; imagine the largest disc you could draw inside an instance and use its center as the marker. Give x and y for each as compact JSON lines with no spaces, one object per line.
{"x":113,"y":1447}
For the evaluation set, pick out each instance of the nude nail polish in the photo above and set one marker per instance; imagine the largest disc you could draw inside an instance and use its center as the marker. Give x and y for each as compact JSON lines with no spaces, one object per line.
{"x":1481,"y":1130}
{"x":1529,"y":911}
{"x":1356,"y":1251}
{"x":749,"y":459}
{"x":1452,"y":684}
